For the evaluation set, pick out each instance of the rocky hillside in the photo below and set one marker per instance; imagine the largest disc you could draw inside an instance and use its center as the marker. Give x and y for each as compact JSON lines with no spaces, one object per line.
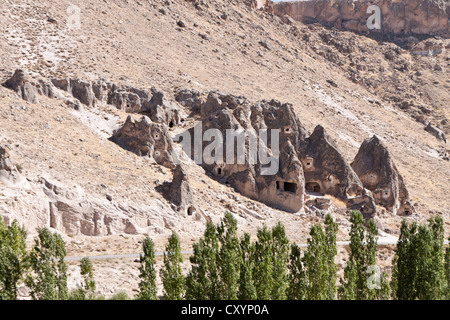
{"x":87,"y":125}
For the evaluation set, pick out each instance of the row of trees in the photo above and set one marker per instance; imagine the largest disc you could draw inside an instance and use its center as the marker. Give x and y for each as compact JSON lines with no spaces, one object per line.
{"x":225,"y":266}
{"x":43,"y":269}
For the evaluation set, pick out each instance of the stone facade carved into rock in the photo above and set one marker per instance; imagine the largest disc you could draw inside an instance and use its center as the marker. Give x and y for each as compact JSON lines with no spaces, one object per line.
{"x":285,"y":188}
{"x":326,"y":170}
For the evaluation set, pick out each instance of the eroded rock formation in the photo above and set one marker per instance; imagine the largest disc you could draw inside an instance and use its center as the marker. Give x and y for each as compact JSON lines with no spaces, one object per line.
{"x":378,"y":173}
{"x":20,"y":83}
{"x":153,"y":103}
{"x":283,"y":188}
{"x":127,"y":99}
{"x":8,"y":170}
{"x":435,"y":131}
{"x":5,"y":161}
{"x":81,"y":90}
{"x":180,"y":192}
{"x":397,"y":16}
{"x":326,"y":170}
{"x":73,"y":212}
{"x":430,"y":47}
{"x":302,"y":164}
{"x":365,"y":203}
{"x":147,"y":139}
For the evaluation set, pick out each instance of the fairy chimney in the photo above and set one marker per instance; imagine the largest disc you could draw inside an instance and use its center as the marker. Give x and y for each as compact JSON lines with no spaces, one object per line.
{"x":378,"y":173}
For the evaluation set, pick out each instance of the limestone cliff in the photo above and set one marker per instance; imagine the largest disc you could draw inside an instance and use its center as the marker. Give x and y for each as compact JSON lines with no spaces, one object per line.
{"x":397,"y":16}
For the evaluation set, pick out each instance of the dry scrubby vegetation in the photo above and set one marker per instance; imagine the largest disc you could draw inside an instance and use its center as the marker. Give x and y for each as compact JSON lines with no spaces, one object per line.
{"x":227,"y":267}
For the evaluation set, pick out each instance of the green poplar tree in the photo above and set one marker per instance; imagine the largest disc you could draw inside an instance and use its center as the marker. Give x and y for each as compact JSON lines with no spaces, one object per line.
{"x":319,"y":264}
{"x":202,"y":280}
{"x":363,"y":246}
{"x":246,"y":289}
{"x":297,"y":283}
{"x":403,"y":275}
{"x":171,"y":273}
{"x":280,"y":249}
{"x":316,"y":267}
{"x":447,"y":269}
{"x":419,"y":271}
{"x":87,"y":290}
{"x":147,"y":272}
{"x":263,"y":264}
{"x":12,"y":259}
{"x":349,"y":284}
{"x":229,"y":258}
{"x":370,"y":261}
{"x":49,"y":278}
{"x":384,"y":293}
{"x":430,"y":267}
{"x":331,"y":230}
{"x":438,"y":284}
{"x":270,"y":263}
{"x":88,"y":277}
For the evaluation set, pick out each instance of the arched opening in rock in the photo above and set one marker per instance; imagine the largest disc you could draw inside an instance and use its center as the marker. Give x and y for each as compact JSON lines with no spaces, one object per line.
{"x":405,"y":209}
{"x":219,"y":169}
{"x":171,"y":124}
{"x":190,"y":211}
{"x":290,"y":187}
{"x":312,"y":187}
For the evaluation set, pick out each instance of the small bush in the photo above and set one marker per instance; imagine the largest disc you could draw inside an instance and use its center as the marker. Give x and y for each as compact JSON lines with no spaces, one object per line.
{"x":121,"y":295}
{"x":77,"y":294}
